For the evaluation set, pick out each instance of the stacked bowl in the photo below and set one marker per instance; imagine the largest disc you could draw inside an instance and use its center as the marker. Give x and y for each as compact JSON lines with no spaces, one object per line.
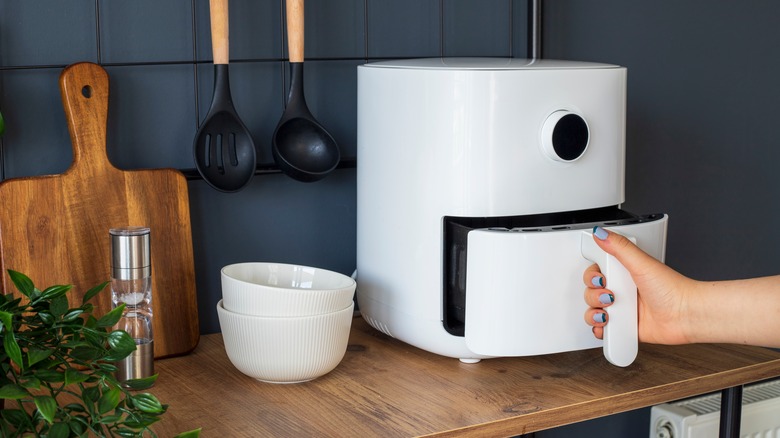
{"x":285,"y":323}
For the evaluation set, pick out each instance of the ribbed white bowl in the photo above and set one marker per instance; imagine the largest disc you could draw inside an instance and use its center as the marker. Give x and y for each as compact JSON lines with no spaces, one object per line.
{"x":278,"y":289}
{"x":285,"y":350}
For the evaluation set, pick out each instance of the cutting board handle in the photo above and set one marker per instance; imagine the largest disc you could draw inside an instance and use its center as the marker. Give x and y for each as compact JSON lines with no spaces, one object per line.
{"x":84,"y":88}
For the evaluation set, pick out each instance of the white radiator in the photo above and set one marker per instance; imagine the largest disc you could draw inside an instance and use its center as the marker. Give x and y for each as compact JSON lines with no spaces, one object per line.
{"x":700,"y":417}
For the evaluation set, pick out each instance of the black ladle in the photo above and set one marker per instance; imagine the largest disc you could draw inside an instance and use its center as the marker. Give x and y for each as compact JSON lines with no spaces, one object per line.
{"x":224,"y":151}
{"x":301,"y":147}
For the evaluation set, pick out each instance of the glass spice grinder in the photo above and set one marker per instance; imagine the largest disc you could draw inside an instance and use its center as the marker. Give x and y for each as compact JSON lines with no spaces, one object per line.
{"x":131,"y":285}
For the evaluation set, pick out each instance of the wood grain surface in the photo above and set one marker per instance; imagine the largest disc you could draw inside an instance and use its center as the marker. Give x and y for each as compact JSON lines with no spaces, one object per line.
{"x":55,"y":228}
{"x":385,"y":388}
{"x":295,"y":30}
{"x":220,"y":31}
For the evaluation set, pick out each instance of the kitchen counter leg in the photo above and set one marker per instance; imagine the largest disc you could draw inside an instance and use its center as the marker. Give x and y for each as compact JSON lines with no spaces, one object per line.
{"x":730,"y":412}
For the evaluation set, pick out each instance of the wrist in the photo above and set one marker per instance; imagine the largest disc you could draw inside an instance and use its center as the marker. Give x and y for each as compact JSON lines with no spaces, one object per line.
{"x":691,"y":314}
{"x":708,"y":305}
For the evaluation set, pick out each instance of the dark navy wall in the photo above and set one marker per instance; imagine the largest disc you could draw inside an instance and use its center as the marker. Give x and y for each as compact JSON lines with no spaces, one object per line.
{"x":702,"y":142}
{"x":702,"y":119}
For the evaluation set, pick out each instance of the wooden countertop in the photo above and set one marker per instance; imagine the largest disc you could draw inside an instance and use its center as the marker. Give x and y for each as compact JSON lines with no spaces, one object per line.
{"x":386,"y":388}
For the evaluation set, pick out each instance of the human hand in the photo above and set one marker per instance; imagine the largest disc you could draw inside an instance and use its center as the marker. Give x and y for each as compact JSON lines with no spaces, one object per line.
{"x":661,"y":292}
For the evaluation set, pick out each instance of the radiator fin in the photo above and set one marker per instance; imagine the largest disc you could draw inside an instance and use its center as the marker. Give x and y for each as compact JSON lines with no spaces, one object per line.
{"x":700,"y":417}
{"x":774,"y":433}
{"x":751,"y":394}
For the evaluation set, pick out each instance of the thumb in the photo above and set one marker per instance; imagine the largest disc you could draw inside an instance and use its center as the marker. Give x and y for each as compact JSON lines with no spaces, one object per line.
{"x":628,"y":254}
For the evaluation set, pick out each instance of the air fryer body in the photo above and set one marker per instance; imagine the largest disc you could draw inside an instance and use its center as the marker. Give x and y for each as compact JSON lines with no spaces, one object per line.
{"x":491,"y":167}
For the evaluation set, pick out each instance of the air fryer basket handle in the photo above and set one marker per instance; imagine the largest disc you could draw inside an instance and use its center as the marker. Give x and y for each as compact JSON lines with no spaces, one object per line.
{"x":621,"y":336}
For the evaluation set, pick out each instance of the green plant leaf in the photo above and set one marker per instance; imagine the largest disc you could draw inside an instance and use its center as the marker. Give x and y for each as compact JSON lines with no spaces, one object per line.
{"x":59,"y":430}
{"x":109,"y":400}
{"x":16,"y":417}
{"x":121,"y":340}
{"x":195,"y":433}
{"x":75,"y":376}
{"x":59,"y":306}
{"x":86,"y":353}
{"x":72,"y":315}
{"x":77,"y":425}
{"x":94,"y":291}
{"x":12,"y":349}
{"x":107,"y":368}
{"x":35,"y":355}
{"x":95,"y":338}
{"x":91,"y":322}
{"x":55,"y":291}
{"x":109,"y":419}
{"x":75,"y":343}
{"x":50,"y":376}
{"x":139,"y":384}
{"x":48,"y":348}
{"x":126,"y":433}
{"x":13,"y":392}
{"x":74,"y":407}
{"x":46,"y":318}
{"x":147,"y":403}
{"x":121,"y":343}
{"x":36,"y":293}
{"x":92,"y":393}
{"x":141,"y":420}
{"x":89,"y":403}
{"x":112,"y":317}
{"x":2,"y":125}
{"x":47,"y":406}
{"x":31,"y":383}
{"x":22,"y":283}
{"x":10,"y":302}
{"x":7,"y":320}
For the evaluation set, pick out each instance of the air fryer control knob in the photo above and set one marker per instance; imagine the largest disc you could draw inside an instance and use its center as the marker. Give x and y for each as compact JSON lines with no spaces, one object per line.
{"x":565,"y":136}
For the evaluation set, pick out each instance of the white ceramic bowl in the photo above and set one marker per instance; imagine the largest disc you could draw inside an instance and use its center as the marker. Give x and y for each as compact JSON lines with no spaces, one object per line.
{"x":285,"y":350}
{"x":278,"y":289}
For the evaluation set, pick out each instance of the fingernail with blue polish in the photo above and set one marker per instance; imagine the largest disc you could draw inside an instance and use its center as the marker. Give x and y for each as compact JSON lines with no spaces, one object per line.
{"x":606,"y":298}
{"x":599,"y":317}
{"x":600,"y":233}
{"x":597,"y":281}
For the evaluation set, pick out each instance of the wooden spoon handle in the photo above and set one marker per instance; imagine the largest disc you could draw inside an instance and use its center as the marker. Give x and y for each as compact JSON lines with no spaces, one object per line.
{"x":220,"y":30}
{"x":295,"y":30}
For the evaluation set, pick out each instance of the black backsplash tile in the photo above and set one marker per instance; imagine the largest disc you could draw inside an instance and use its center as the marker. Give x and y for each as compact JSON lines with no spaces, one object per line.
{"x":255,"y":29}
{"x":404,"y":28}
{"x":36,"y":141}
{"x":145,"y":31}
{"x":474,"y":28}
{"x":151,"y":116}
{"x":47,"y":32}
{"x":334,"y":29}
{"x":520,"y":29}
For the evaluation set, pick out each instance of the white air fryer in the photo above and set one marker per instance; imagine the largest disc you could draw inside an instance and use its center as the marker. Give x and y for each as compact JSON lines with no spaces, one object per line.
{"x":479,"y":183}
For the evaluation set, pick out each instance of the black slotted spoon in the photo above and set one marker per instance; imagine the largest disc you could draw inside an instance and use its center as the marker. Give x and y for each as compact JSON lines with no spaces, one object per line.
{"x":225,"y":154}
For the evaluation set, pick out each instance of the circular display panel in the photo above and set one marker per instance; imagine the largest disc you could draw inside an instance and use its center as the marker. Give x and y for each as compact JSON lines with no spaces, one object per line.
{"x":565,"y":136}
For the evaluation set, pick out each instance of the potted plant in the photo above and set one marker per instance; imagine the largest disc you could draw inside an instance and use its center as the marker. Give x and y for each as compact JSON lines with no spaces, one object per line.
{"x":57,"y":372}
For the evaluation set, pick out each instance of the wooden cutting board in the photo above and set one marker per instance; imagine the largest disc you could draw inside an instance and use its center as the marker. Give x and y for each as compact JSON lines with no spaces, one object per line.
{"x":54,"y":228}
